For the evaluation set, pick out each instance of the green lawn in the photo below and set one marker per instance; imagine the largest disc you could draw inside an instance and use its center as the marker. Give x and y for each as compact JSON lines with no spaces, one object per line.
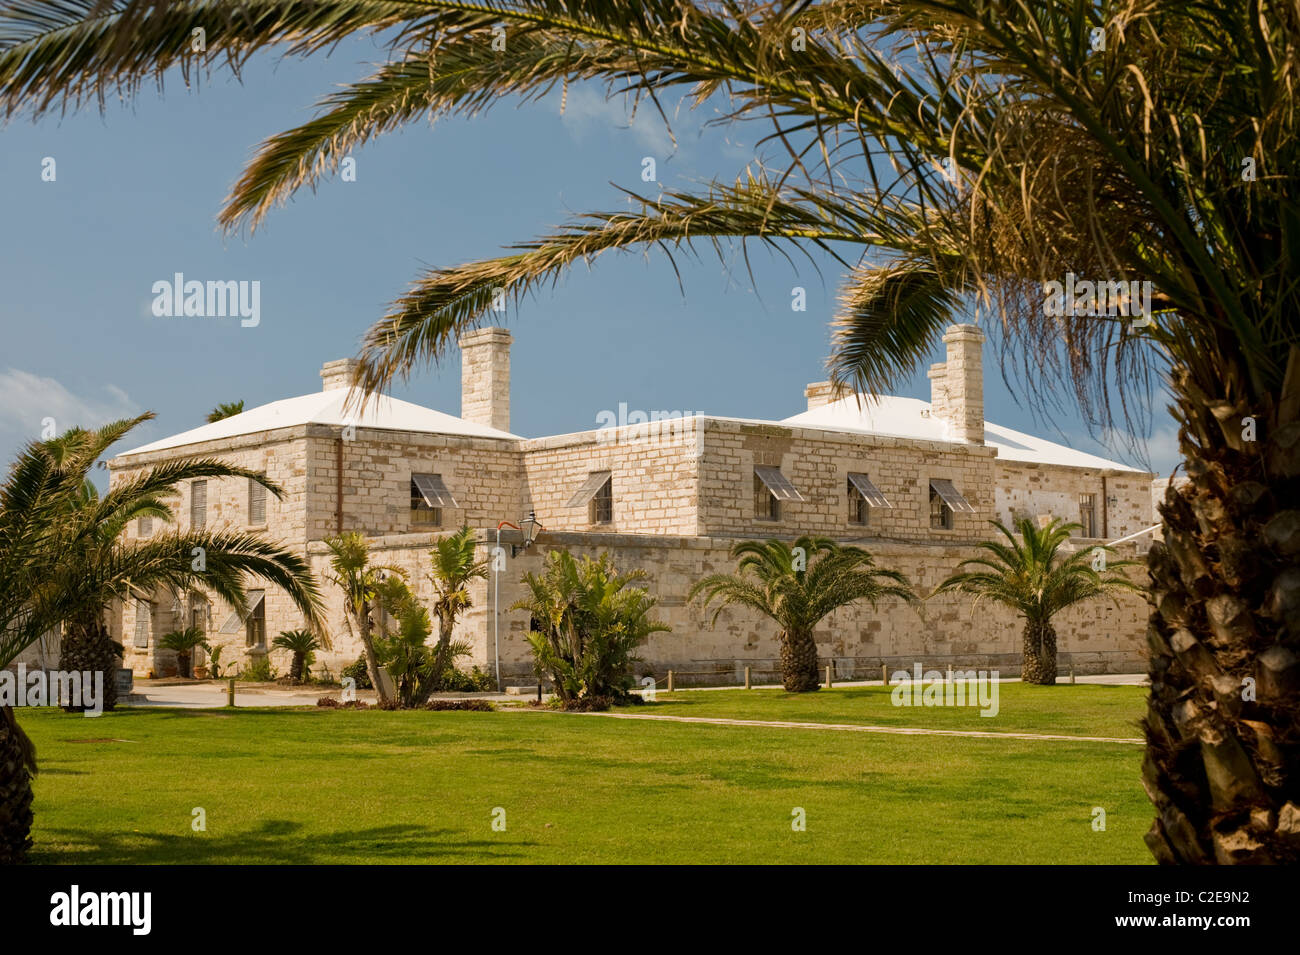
{"x":1082,"y":710}
{"x":311,"y":786}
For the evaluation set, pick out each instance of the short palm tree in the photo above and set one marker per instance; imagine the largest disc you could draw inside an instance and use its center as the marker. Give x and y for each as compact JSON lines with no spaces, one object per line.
{"x":360,"y":581}
{"x":55,"y":567}
{"x":954,"y":155}
{"x":454,"y":566}
{"x":797,"y":585}
{"x":1036,"y":579}
{"x":303,"y":644}
{"x":227,"y":409}
{"x":183,"y":643}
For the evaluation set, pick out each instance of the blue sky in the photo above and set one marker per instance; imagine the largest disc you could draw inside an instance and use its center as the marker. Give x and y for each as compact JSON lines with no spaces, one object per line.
{"x":135,"y":201}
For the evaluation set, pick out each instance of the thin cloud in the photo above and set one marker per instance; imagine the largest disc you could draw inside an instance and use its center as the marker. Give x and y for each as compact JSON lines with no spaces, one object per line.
{"x":29,"y":402}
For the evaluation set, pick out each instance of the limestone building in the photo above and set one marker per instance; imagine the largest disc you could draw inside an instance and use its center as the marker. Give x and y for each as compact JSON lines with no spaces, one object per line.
{"x":915,"y":482}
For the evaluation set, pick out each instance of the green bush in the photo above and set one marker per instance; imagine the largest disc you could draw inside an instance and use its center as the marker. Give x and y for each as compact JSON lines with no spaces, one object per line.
{"x":587,"y":623}
{"x":259,"y":670}
{"x":476,"y":680}
{"x":358,"y":672}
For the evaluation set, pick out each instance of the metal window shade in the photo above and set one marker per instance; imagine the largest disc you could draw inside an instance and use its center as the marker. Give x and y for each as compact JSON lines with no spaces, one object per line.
{"x":235,"y":622}
{"x":950,"y":495}
{"x":870,"y":493}
{"x":778,"y":484}
{"x":256,"y":502}
{"x":433,"y":490}
{"x":142,"y":610}
{"x":595,"y":481}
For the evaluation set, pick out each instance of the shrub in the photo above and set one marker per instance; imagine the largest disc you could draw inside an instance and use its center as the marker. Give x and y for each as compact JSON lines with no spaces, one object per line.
{"x":476,"y":680}
{"x":478,"y":706}
{"x":587,"y":623}
{"x":358,"y":672}
{"x":259,"y":670}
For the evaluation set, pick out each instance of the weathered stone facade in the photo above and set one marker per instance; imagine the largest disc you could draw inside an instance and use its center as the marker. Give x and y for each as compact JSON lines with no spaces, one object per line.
{"x":680,"y":494}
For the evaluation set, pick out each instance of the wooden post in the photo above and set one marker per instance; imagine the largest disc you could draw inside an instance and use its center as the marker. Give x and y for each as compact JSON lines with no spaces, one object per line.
{"x":670,"y":681}
{"x":230,"y":692}
{"x":747,"y":683}
{"x":1072,"y":671}
{"x":829,"y":684}
{"x":884,"y":674}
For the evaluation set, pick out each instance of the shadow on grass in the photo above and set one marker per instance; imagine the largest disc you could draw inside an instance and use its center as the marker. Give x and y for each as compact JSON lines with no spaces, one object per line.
{"x":273,"y":841}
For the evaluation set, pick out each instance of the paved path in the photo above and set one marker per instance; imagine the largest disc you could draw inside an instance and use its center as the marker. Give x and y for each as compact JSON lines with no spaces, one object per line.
{"x":860,"y":728}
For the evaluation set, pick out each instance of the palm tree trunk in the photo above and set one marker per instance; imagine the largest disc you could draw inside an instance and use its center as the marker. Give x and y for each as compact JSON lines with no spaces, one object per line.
{"x":372,"y":661}
{"x":17,"y":766}
{"x":1223,"y":714}
{"x":445,"y":624}
{"x":87,"y":646}
{"x":799,"y":661}
{"x":295,"y":668}
{"x":183,"y":664}
{"x":1040,"y":654}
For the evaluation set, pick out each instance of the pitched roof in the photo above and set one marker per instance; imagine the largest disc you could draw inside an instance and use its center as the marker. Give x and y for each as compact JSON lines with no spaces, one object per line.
{"x":903,"y":417}
{"x":327,"y":407}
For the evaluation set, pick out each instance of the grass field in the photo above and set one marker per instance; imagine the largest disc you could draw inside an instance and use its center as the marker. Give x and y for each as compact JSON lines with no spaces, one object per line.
{"x":313,"y":786}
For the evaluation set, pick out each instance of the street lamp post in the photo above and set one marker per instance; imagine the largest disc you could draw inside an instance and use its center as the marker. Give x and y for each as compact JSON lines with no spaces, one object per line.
{"x":498,"y":560}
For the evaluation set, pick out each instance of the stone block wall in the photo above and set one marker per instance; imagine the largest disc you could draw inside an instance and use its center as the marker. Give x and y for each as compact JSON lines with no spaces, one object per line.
{"x":818,"y":464}
{"x":1034,"y":490}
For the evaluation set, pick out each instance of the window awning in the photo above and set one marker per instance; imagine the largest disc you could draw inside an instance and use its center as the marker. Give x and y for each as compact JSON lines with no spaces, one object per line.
{"x":869,"y":491}
{"x":950,"y":495}
{"x":235,"y":622}
{"x":778,"y":484}
{"x":433,"y":490}
{"x":595,"y":481}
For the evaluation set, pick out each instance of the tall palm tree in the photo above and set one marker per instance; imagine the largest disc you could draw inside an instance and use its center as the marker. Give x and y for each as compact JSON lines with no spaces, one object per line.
{"x":86,"y":644}
{"x":227,"y":409}
{"x":56,"y":567}
{"x":360,"y":581}
{"x":454,"y":567}
{"x":798,"y":585}
{"x":1036,"y":579}
{"x":952,"y":154}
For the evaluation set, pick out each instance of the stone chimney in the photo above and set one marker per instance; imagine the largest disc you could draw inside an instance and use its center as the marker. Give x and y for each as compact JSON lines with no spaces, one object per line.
{"x":337,"y":374}
{"x":485,"y":377}
{"x":821,"y":393}
{"x":959,"y":383}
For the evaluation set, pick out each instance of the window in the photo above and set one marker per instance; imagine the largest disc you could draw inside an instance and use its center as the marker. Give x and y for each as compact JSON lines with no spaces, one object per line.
{"x":602,"y":505}
{"x":940,"y":512}
{"x":429,"y":495}
{"x":255,"y":624}
{"x":198,"y":503}
{"x":142,"y":611}
{"x":144,"y":527}
{"x":863,"y":496}
{"x":859,"y":509}
{"x":771,"y":487}
{"x":945,"y":500}
{"x":256,"y":503}
{"x":1088,"y":515}
{"x":766,"y":506}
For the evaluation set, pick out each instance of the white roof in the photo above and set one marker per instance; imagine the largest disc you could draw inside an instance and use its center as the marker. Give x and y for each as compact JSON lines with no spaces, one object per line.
{"x":902,"y":417}
{"x":327,"y":407}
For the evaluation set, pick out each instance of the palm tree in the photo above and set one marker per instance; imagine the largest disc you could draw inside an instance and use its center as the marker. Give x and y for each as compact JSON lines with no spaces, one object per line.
{"x":227,"y":409}
{"x":454,"y":566}
{"x":360,"y":582}
{"x":303,"y":644}
{"x":184,"y":643}
{"x":1034,"y":578}
{"x":56,"y":567}
{"x":87,"y":644}
{"x":952,"y":155}
{"x":798,"y":586}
